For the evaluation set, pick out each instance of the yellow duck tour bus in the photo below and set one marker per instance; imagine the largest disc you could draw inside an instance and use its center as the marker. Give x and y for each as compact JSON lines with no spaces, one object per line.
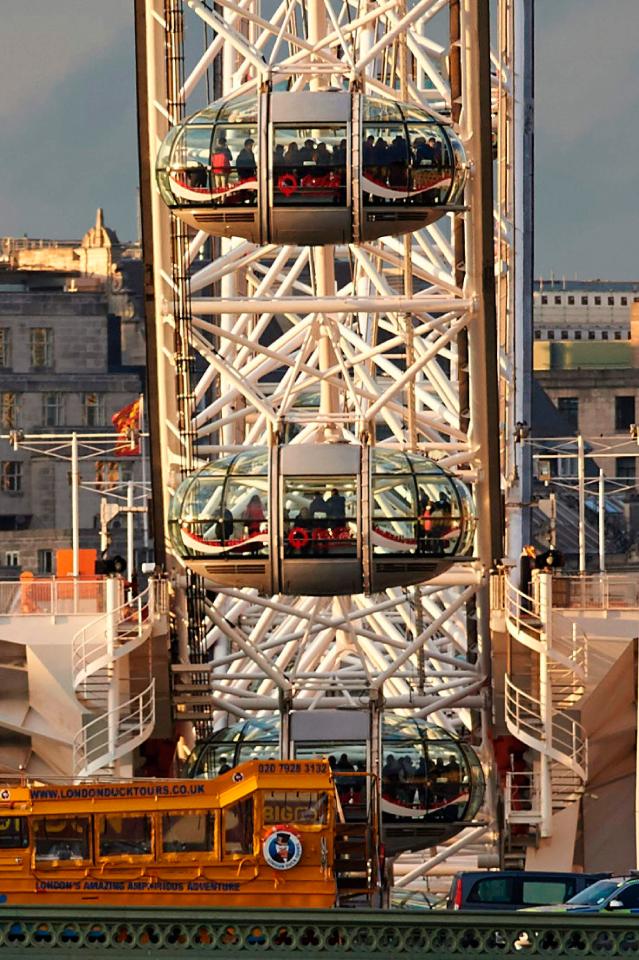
{"x":261,"y":835}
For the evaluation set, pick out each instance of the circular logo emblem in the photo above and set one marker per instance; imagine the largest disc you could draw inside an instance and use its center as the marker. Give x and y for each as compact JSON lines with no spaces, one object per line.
{"x":282,"y":848}
{"x":238,"y":777}
{"x":4,"y":794}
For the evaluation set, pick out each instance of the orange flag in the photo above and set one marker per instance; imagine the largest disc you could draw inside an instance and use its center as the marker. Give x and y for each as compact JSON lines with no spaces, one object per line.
{"x":127,"y":422}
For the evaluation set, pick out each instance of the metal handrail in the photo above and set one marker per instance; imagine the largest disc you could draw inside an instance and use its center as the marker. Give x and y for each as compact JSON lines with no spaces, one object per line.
{"x":522,"y":796}
{"x":135,"y":719}
{"x":90,"y":649}
{"x":565,"y":742}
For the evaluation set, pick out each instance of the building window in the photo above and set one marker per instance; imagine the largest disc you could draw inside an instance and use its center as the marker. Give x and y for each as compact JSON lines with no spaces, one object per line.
{"x":5,"y":347}
{"x":41,"y":347}
{"x":12,"y":558}
{"x":537,"y":334}
{"x":544,"y":300}
{"x":591,"y":334}
{"x":45,"y":561}
{"x":558,"y":301}
{"x":577,"y":334}
{"x":93,"y":409}
{"x":8,"y":411}
{"x":551,"y":335}
{"x":569,"y":408}
{"x":624,"y":301}
{"x":625,"y":468}
{"x":11,"y":477}
{"x":597,"y":301}
{"x":624,"y":412}
{"x":611,"y":301}
{"x":564,"y":334}
{"x":571,"y":301}
{"x":52,"y":409}
{"x":584,"y":301}
{"x":604,"y":334}
{"x":617,"y":334}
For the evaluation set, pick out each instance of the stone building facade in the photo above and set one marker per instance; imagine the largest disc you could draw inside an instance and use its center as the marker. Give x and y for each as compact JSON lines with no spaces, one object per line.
{"x":72,"y":353}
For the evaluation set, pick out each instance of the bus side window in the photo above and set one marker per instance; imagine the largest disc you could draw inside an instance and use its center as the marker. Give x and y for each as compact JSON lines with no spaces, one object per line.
{"x":189,"y":832}
{"x":14,"y":833}
{"x":237,"y":828}
{"x":61,"y":838}
{"x":124,"y":835}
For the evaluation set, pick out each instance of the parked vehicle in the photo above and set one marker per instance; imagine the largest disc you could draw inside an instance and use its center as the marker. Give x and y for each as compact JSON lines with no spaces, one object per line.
{"x":618,"y":894}
{"x":515,"y":889}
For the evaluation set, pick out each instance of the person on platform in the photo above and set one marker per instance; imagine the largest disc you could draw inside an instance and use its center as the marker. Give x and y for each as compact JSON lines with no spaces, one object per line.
{"x":245,"y":163}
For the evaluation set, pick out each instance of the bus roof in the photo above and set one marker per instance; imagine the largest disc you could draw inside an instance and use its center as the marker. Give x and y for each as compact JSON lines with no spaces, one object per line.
{"x":101,"y":796}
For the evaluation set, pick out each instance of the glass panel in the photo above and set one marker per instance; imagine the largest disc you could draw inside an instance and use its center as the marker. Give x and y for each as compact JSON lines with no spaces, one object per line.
{"x":190,"y":159}
{"x":383,"y":462}
{"x":431,"y":164}
{"x":254,"y":462}
{"x":541,"y":892}
{"x":320,"y":517}
{"x":123,"y":835}
{"x":240,"y":109}
{"x":187,"y":832}
{"x":448,"y":782}
{"x":197,"y":522}
{"x":309,"y":166}
{"x":385,"y":163}
{"x":234,"y":165}
{"x":61,"y":838}
{"x":379,"y":110}
{"x":238,"y":828}
{"x":13,"y":833}
{"x":459,"y":180}
{"x":440,"y":517}
{"x":162,"y":165}
{"x":246,"y":516}
{"x":300,"y":806}
{"x":206,"y":116}
{"x":258,"y":751}
{"x":394,"y":527}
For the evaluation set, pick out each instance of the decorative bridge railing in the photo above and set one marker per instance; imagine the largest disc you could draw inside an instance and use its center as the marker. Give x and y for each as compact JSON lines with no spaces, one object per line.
{"x":92,"y":931}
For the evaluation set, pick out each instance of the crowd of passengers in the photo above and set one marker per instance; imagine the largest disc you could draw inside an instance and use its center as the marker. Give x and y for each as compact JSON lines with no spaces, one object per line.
{"x":381,"y":160}
{"x":423,"y":785}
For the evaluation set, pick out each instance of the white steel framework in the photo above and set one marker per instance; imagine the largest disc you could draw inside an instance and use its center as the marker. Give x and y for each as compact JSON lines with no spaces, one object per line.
{"x":389,"y":342}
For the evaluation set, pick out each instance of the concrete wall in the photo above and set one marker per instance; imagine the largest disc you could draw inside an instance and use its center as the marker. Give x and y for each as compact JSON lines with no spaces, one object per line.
{"x":609,"y":715}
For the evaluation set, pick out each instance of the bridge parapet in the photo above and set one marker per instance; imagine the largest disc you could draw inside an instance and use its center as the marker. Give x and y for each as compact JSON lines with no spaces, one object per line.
{"x":329,"y":933}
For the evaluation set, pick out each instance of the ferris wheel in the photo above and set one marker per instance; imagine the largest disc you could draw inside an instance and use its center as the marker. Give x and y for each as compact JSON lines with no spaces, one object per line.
{"x":319,"y":234}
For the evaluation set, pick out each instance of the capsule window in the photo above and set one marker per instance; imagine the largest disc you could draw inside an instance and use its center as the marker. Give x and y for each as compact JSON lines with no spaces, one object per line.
{"x":431,"y":165}
{"x":190,"y":164}
{"x":245,"y":512}
{"x":309,"y":166}
{"x":61,"y":838}
{"x":320,"y":517}
{"x":234,"y":165}
{"x":385,"y":163}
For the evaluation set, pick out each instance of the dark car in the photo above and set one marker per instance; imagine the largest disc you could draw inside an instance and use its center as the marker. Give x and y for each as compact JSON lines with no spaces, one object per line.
{"x":515,"y":889}
{"x":618,"y":894}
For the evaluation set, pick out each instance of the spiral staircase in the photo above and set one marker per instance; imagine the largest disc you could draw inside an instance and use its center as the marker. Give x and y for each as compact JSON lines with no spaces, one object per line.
{"x":111,"y":669}
{"x":544,"y":686}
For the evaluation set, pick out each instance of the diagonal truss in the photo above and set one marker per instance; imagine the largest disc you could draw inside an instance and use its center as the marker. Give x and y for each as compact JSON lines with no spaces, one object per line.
{"x":354,"y":343}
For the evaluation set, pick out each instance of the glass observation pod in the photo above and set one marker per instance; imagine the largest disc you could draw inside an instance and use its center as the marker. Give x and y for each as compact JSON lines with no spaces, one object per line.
{"x":432,"y":783}
{"x":292,"y":519}
{"x":361,"y":168}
